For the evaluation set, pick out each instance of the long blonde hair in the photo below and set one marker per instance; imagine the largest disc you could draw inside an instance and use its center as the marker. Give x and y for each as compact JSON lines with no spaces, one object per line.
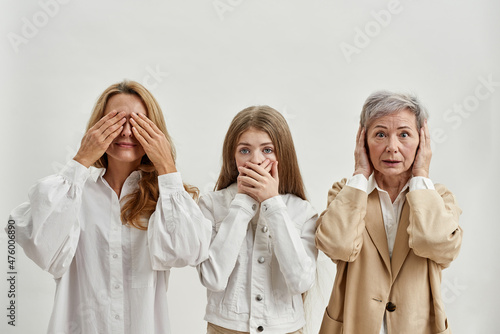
{"x":267,"y":119}
{"x":142,"y":202}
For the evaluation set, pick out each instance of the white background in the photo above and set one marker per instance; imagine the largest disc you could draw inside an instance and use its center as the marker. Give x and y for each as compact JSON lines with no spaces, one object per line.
{"x":209,"y":63}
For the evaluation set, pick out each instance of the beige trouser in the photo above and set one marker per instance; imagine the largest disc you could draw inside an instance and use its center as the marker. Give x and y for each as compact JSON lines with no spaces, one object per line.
{"x":214,"y":329}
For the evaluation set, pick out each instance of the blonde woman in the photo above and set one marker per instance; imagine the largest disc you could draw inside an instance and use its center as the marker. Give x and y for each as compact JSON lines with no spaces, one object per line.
{"x":389,"y":228}
{"x":109,"y":235}
{"x":262,"y":257}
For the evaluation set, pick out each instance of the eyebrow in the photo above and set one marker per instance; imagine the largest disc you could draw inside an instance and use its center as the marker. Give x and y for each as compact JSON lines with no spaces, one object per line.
{"x":247,"y":144}
{"x":399,"y":128}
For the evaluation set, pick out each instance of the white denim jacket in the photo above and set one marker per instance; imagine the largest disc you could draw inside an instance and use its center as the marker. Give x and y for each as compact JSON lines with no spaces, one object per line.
{"x":255,"y":279}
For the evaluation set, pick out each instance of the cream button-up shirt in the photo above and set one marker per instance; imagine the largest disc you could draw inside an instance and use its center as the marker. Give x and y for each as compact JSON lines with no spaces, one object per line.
{"x":111,"y":278}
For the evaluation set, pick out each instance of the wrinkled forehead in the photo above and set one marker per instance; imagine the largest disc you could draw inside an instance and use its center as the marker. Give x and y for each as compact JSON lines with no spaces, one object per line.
{"x":400,"y":117}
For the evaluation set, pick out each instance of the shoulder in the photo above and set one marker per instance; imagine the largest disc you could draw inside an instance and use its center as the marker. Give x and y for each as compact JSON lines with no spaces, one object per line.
{"x":298,"y":207}
{"x":222,"y":197}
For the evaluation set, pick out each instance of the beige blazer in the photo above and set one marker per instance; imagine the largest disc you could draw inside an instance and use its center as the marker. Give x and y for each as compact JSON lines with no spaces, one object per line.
{"x":352,"y":233}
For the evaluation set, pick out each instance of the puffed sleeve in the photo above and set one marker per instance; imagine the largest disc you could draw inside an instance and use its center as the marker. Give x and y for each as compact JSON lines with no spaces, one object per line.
{"x":46,"y":226}
{"x":227,"y":239}
{"x":340,"y":227}
{"x":178,"y":233}
{"x":433,"y":231}
{"x":291,"y":227}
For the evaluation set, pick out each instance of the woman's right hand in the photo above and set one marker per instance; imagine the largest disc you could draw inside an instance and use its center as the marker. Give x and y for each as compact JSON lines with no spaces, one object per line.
{"x":362,"y":163}
{"x":98,"y":138}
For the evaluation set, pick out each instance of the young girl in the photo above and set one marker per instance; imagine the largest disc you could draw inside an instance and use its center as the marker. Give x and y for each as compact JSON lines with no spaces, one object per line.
{"x":109,"y":235}
{"x":262,"y":257}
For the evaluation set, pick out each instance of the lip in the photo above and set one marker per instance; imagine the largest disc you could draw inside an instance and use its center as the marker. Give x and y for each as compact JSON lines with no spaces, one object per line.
{"x":391,"y":163}
{"x":126,"y":145}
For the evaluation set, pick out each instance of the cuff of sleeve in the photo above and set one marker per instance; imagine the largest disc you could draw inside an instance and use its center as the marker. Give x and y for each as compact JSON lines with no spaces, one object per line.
{"x":170,"y":183}
{"x":420,"y":182}
{"x":246,"y":202}
{"x":75,"y":172}
{"x":272,"y":204}
{"x":358,"y":181}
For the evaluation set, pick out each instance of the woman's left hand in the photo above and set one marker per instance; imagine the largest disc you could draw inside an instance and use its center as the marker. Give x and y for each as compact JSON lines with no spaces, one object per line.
{"x":258,"y":182}
{"x":424,"y":153}
{"x":154,"y":142}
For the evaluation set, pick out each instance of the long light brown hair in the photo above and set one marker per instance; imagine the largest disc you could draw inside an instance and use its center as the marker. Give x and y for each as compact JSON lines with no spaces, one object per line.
{"x":267,"y":119}
{"x":142,"y":202}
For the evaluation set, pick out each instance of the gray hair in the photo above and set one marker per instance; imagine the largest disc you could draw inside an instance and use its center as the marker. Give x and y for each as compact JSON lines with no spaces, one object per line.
{"x":382,"y":103}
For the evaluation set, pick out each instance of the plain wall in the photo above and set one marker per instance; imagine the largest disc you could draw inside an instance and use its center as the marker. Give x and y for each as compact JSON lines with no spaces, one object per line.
{"x":315,"y":61}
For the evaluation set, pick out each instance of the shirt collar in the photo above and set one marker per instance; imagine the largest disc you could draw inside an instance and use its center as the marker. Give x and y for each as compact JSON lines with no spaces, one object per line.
{"x":98,"y":173}
{"x":372,"y":185}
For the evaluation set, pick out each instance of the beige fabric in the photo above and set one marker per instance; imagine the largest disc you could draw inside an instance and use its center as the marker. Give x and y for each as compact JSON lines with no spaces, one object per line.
{"x":351,"y":232}
{"x":214,"y":329}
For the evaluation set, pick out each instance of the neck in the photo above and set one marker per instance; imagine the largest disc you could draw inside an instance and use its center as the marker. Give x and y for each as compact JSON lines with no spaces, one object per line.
{"x":392,"y":184}
{"x":117,"y":173}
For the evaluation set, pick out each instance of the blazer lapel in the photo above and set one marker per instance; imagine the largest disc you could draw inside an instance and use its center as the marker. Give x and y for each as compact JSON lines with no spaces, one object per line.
{"x":401,"y":245}
{"x":375,"y":226}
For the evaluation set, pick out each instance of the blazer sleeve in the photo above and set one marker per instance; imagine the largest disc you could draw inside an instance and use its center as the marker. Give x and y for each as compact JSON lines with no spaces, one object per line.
{"x":178,"y":233}
{"x":433,"y":231}
{"x":292,"y":227}
{"x":340,"y":227}
{"x":47,"y":226}
{"x":228,"y":236}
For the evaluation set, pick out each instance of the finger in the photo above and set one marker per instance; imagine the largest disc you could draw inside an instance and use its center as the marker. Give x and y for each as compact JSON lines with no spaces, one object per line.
{"x":104,"y":118}
{"x":274,"y":171}
{"x":111,"y":129}
{"x":138,"y":135}
{"x":426,"y":131}
{"x":266,"y":165}
{"x":250,"y":173}
{"x":362,"y":137}
{"x":358,"y":134}
{"x":140,"y":130}
{"x":109,"y":120}
{"x":256,"y":168}
{"x":146,"y":123}
{"x":249,"y":181}
{"x":423,"y":139}
{"x":113,"y":135}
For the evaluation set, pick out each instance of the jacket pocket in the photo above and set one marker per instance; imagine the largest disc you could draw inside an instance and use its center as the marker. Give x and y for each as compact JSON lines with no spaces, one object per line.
{"x":330,"y":326}
{"x":446,"y":331}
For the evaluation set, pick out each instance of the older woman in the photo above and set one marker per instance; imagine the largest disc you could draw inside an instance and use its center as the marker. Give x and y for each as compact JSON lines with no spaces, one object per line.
{"x":388,"y":228}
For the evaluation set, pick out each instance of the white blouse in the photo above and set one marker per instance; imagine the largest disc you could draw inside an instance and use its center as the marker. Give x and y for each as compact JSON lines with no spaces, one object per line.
{"x":111,"y":278}
{"x":261,"y":259}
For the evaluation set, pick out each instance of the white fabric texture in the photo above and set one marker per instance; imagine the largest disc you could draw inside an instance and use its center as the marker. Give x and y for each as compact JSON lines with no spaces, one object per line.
{"x":255,"y":276}
{"x":110,"y":277}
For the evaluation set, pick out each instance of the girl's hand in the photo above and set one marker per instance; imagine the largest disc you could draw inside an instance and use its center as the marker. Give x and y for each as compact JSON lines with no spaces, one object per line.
{"x":98,"y":138}
{"x":258,"y":181}
{"x":267,"y":164}
{"x":422,"y":161}
{"x":362,"y":163}
{"x":154,"y":142}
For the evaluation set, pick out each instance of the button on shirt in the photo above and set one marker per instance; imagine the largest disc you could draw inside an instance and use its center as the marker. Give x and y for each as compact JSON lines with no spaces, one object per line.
{"x":261,"y":259}
{"x":391,"y":211}
{"x":111,"y":278}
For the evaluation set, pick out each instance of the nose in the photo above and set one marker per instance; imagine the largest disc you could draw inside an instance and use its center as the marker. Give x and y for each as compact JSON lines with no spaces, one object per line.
{"x":127,"y":129}
{"x":392,"y":145}
{"x":257,"y":157}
